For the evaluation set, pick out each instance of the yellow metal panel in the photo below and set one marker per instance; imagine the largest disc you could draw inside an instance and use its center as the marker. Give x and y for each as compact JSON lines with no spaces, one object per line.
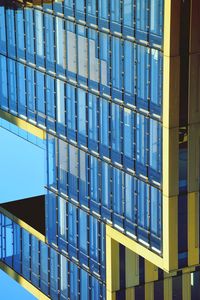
{"x":22,"y":224}
{"x":193,"y":228}
{"x":168,"y":288}
{"x":186,"y":286}
{"x":130,"y":294}
{"x":170,"y":233}
{"x":112,"y":265}
{"x":151,"y":272}
{"x":23,"y":282}
{"x":23,"y":124}
{"x":149,"y":291}
{"x":132,"y":268}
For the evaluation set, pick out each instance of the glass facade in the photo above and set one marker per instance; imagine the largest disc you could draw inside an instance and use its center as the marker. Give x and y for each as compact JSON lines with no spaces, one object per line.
{"x":90,"y":73}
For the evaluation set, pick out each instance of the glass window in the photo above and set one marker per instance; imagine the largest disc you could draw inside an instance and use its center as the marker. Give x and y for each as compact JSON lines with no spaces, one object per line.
{"x":53,"y":274}
{"x":2,"y":31}
{"x":156,"y":17}
{"x":129,"y":67}
{"x":128,"y":13}
{"x":142,"y":75}
{"x":50,"y":101}
{"x":30,"y":85}
{"x":117,"y":63}
{"x":63,"y":278}
{"x":155,"y":146}
{"x":128,"y":133}
{"x":116,"y":128}
{"x":71,"y":48}
{"x":63,"y":166}
{"x":103,"y":9}
{"x":34,"y":260}
{"x":44,"y":267}
{"x":74,"y":282}
{"x":60,"y":102}
{"x":141,"y":144}
{"x":17,"y":248}
{"x":19,"y":19}
{"x":39,"y":38}
{"x":83,"y":181}
{"x":25,"y":254}
{"x":72,"y":226}
{"x":91,"y":7}
{"x":80,"y":5}
{"x":3,"y":82}
{"x":51,"y":219}
{"x":141,"y":16}
{"x":84,"y":282}
{"x":155,"y":212}
{"x":70,"y":114}
{"x":92,"y":122}
{"x":40,"y":94}
{"x":129,"y":198}
{"x":60,"y":46}
{"x":73,"y":172}
{"x":10,"y":26}
{"x":83,"y":231}
{"x":105,"y":59}
{"x":12,"y":85}
{"x":82,"y":51}
{"x":117,"y":191}
{"x":94,"y":239}
{"x":29,"y":35}
{"x":49,"y":41}
{"x":93,"y":55}
{"x":62,"y":225}
{"x":115,"y":11}
{"x":104,"y":122}
{"x":95,"y":289}
{"x":94,"y":178}
{"x":143,"y":205}
{"x":82,"y":116}
{"x":156,"y":77}
{"x":105,"y":179}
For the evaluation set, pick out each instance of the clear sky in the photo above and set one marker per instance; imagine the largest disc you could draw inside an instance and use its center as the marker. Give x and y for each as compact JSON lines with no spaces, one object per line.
{"x":21,"y":175}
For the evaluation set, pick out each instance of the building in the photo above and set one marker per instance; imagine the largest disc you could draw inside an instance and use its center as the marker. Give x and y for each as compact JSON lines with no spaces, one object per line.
{"x":113,"y":88}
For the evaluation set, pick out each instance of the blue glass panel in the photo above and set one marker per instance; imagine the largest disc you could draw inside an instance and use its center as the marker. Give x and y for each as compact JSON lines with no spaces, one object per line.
{"x":91,"y":8}
{"x":142,"y":77}
{"x":128,"y":13}
{"x":84,"y":282}
{"x":50,"y":102}
{"x":93,"y":59}
{"x":52,"y":162}
{"x":129,"y":135}
{"x":20,"y":34}
{"x":115,"y":14}
{"x":81,"y":106}
{"x":29,"y":35}
{"x":156,"y":21}
{"x":44,"y":268}
{"x":40,"y":98}
{"x":10,"y":26}
{"x":82,"y":44}
{"x":155,"y":150}
{"x":71,"y":51}
{"x":51,"y":218}
{"x":63,"y":278}
{"x":117,"y":191}
{"x":60,"y":46}
{"x":155,"y":217}
{"x":143,"y":211}
{"x":71,"y":112}
{"x":130,"y":200}
{"x":105,"y":63}
{"x":39,"y":38}
{"x":106,"y":181}
{"x":156,"y":81}
{"x":3,"y":83}
{"x":116,"y":133}
{"x":73,"y":172}
{"x":129,"y":56}
{"x":102,"y":252}
{"x":103,"y":13}
{"x":104,"y":127}
{"x":142,"y":17}
{"x":95,"y":289}
{"x":34,"y":261}
{"x":62,"y":166}
{"x":53,"y":274}
{"x":12,"y":85}
{"x":30,"y":79}
{"x":68,"y":8}
{"x":8,"y":231}
{"x":83,"y":181}
{"x":21,"y":96}
{"x":141,"y":144}
{"x":25,"y":254}
{"x":94,"y":245}
{"x":117,"y":68}
{"x":93,"y":123}
{"x":60,"y":107}
{"x":16,"y":248}
{"x":94,"y":195}
{"x":73,"y":282}
{"x":2,"y":31}
{"x":62,"y":224}
{"x":49,"y":42}
{"x":83,"y":237}
{"x":72,"y":229}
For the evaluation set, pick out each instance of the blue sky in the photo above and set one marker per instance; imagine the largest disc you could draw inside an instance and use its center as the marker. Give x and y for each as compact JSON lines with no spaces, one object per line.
{"x":21,"y":176}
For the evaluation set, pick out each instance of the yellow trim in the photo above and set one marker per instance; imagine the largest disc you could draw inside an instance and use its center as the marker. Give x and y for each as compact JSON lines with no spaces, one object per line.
{"x":186,"y":286}
{"x":132,"y":268}
{"x":22,"y":224}
{"x":23,"y":282}
{"x":112,"y":265}
{"x":130,"y":294}
{"x":23,"y":124}
{"x":168,"y":288}
{"x":149,"y":291}
{"x":151,"y":272}
{"x":193,"y":228}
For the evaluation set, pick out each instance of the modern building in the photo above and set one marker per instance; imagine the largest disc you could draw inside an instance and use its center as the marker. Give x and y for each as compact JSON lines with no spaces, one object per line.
{"x":113,"y":88}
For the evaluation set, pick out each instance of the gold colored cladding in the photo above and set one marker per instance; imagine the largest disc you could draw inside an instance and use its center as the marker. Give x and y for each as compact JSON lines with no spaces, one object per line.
{"x":22,"y":224}
{"x":112,"y":265}
{"x":149,"y":291}
{"x":131,"y":268}
{"x":23,"y":124}
{"x":23,"y":282}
